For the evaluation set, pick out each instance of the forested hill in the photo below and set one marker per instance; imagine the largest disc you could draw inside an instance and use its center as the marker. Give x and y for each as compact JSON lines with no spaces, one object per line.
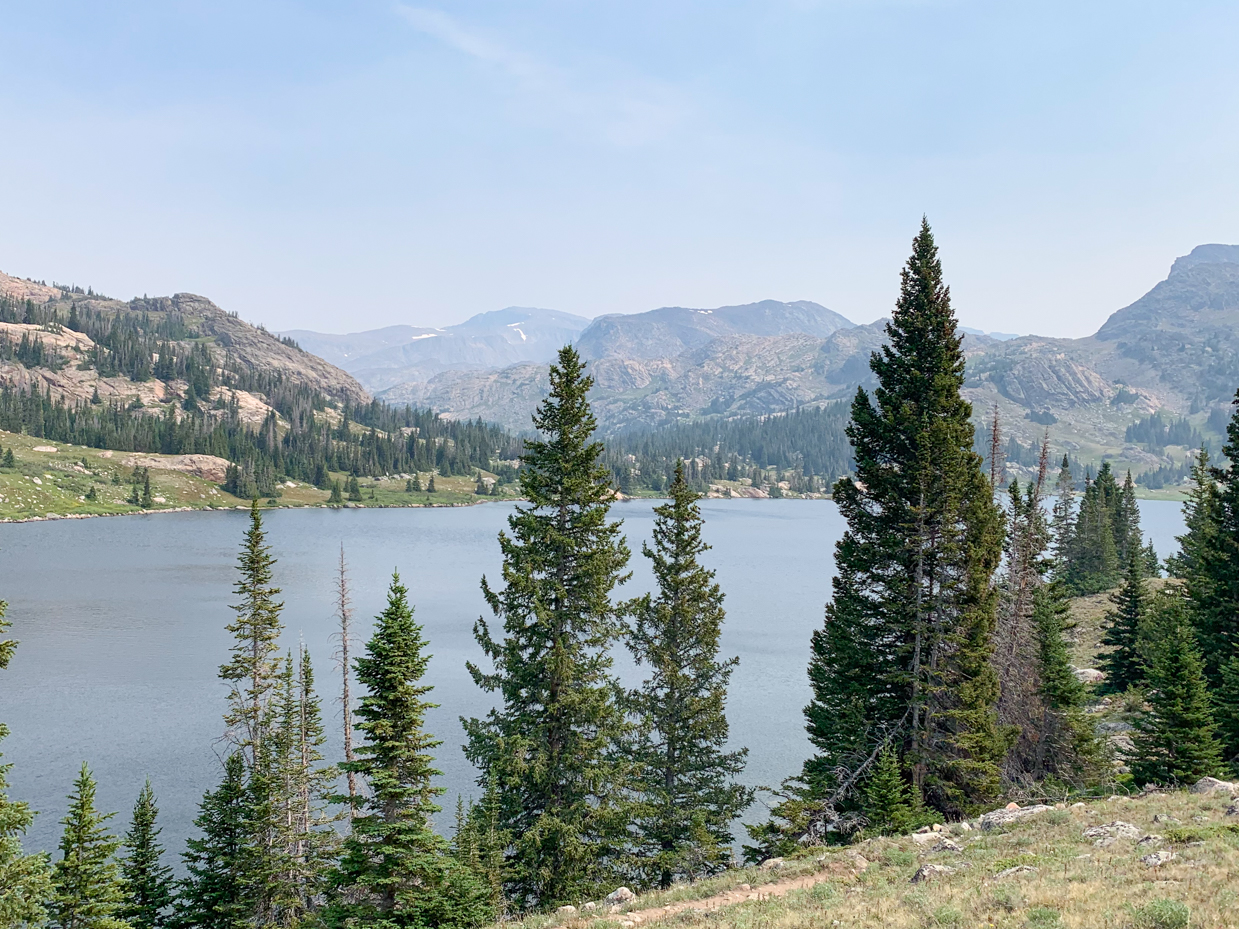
{"x":178,"y":375}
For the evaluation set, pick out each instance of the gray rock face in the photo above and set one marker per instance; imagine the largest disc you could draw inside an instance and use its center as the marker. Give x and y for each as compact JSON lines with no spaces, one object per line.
{"x":1158,"y":858}
{"x":620,"y":895}
{"x":998,"y":818}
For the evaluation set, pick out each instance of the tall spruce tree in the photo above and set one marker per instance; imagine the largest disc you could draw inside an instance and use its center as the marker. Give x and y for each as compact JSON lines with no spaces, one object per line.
{"x":1200,"y":519}
{"x":1093,"y":562}
{"x":905,"y":651}
{"x":25,"y":881}
{"x":221,"y":887}
{"x":551,"y":745}
{"x":395,"y":870}
{"x":1062,"y":519}
{"x":87,"y":889}
{"x":254,"y":664}
{"x":147,"y":880}
{"x":1123,"y":664}
{"x":1175,"y":741}
{"x":687,"y":781}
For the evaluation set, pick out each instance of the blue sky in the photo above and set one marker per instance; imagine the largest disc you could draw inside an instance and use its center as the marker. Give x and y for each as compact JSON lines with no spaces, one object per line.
{"x":341,"y":166}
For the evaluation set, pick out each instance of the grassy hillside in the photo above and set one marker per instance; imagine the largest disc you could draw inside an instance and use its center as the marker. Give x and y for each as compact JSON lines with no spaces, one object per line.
{"x":52,"y":479}
{"x":1046,"y":870}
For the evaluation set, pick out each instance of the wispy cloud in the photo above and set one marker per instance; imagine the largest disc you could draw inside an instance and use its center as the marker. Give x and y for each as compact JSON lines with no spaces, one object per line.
{"x":625,"y":111}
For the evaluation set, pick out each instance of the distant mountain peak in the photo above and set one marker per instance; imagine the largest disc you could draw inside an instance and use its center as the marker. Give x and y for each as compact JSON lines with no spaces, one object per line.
{"x":1206,"y":255}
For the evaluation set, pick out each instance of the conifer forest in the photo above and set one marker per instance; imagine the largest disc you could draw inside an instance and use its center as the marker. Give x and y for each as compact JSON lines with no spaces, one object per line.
{"x":941,"y":679}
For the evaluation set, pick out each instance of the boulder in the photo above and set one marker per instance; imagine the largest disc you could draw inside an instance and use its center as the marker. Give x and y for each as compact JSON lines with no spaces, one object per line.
{"x":929,"y":872}
{"x":1166,"y":819}
{"x":1149,"y":841}
{"x":568,"y":910}
{"x":590,"y":907}
{"x":1233,"y":809}
{"x":620,"y":895}
{"x":946,"y":845}
{"x":1158,"y":858}
{"x":924,"y":838}
{"x":1211,"y":785}
{"x":1016,"y":871}
{"x":771,"y":864}
{"x":1089,"y":675}
{"x":1003,"y":817}
{"x":1113,"y":830}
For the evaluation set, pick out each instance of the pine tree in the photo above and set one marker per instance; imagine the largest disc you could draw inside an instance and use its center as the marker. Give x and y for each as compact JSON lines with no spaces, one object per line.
{"x":551,"y":744}
{"x":9,"y":460}
{"x":687,"y":784}
{"x":344,"y":640}
{"x":252,"y":670}
{"x":147,"y":881}
{"x":354,"y":490}
{"x":1200,"y":516}
{"x":25,"y":881}
{"x":1093,"y":564}
{"x":395,"y":870}
{"x":905,"y":653}
{"x":1067,"y":748}
{"x":1062,"y":519}
{"x":148,"y":500}
{"x":1123,"y":664}
{"x":430,"y":484}
{"x":891,"y":805}
{"x":219,"y":889}
{"x":1175,"y":741}
{"x":336,"y":498}
{"x":417,"y":484}
{"x":87,"y":889}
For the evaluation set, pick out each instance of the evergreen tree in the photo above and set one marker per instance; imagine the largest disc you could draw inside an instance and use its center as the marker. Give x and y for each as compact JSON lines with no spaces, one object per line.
{"x":252,"y":670}
{"x":395,"y":870}
{"x":417,"y":484}
{"x":337,"y":498}
{"x":1175,"y":741}
{"x":1062,"y":519}
{"x":147,"y":880}
{"x":891,"y":805}
{"x":430,"y":484}
{"x":1093,"y":564}
{"x":551,"y":745}
{"x":219,"y":889}
{"x":1200,"y":518}
{"x":904,"y":656}
{"x":87,"y":891}
{"x":25,"y":881}
{"x":148,"y":500}
{"x":1068,"y":747}
{"x":687,"y":780}
{"x":354,"y":490}
{"x":9,"y":460}
{"x":1123,"y":664}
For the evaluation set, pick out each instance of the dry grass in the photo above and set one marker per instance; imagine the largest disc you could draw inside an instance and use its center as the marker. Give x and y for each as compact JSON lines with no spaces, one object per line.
{"x":1075,"y":884}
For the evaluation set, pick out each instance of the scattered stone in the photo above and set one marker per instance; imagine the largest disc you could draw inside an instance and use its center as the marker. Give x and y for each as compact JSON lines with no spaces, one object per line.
{"x":772,"y":864}
{"x":1012,"y":806}
{"x":1089,"y":675}
{"x":1150,"y":840}
{"x":568,"y":910}
{"x":1002,"y":817}
{"x":1105,"y":842}
{"x":1211,"y":785}
{"x":744,"y":887}
{"x":1114,"y":830}
{"x":1233,"y":809}
{"x":921,"y":831}
{"x":927,"y":872}
{"x":1158,"y":858}
{"x":1060,"y":806}
{"x":621,"y":895}
{"x":936,"y":827}
{"x":590,"y":907}
{"x":924,"y":838}
{"x":946,"y":845}
{"x":965,"y":826}
{"x":1016,"y":871}
{"x":1077,"y":806}
{"x":44,"y":448}
{"x":1165,"y":819}
{"x":860,"y":862}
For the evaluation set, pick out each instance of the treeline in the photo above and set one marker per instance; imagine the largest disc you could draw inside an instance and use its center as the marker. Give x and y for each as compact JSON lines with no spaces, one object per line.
{"x":368,"y":440}
{"x":807,"y":447}
{"x":583,"y":785}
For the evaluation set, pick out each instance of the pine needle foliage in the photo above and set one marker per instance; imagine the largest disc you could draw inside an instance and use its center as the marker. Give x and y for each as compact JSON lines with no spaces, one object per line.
{"x":552,"y":745}
{"x":1175,"y":741}
{"x":1123,"y":664}
{"x":87,"y":889}
{"x":149,"y":888}
{"x":25,"y":881}
{"x":905,"y":651}
{"x":686,"y":781}
{"x":221,"y":887}
{"x":892,"y":806}
{"x":395,"y":870}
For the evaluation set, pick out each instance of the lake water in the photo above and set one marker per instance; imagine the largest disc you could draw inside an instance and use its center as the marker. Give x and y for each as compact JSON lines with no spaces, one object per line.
{"x":121,"y":623}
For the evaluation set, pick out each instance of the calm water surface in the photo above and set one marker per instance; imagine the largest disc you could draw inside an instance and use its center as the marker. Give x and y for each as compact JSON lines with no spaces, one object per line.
{"x":121,"y":623}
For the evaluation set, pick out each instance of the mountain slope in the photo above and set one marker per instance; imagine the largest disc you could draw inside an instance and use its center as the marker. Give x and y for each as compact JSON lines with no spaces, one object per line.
{"x":381,"y":358}
{"x":671,"y":330}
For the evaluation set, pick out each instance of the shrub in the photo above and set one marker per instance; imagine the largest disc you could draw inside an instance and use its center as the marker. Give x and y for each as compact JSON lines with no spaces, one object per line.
{"x":1161,"y":914}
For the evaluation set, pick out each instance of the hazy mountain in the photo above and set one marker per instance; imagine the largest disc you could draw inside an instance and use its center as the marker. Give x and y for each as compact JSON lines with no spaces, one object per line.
{"x":380,"y":358}
{"x":671,"y":330}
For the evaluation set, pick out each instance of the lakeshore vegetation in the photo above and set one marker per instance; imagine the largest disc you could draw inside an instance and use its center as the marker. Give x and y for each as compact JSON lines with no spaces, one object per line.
{"x":942,"y":683}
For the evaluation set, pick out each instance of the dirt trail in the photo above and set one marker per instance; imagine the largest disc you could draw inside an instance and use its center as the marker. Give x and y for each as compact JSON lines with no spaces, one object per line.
{"x":832,"y":870}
